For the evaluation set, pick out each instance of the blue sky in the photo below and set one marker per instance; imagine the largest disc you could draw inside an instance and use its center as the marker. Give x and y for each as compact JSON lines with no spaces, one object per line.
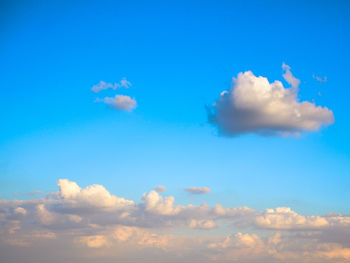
{"x":276,"y":167}
{"x":178,"y":57}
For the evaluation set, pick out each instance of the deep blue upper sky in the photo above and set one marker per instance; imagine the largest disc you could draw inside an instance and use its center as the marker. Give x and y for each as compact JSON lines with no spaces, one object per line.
{"x":178,"y":56}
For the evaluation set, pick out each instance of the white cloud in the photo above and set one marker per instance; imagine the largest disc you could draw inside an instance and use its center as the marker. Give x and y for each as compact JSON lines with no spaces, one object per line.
{"x":239,"y":247}
{"x":20,"y":210}
{"x":91,"y":217}
{"x":285,"y":218}
{"x":155,"y":203}
{"x":198,"y":190}
{"x":119,"y":102}
{"x":202,"y":224}
{"x":95,"y":241}
{"x":140,"y":237}
{"x":94,"y":196}
{"x":288,"y":76}
{"x":253,"y":105}
{"x":333,"y":252}
{"x":45,"y":216}
{"x":31,"y":193}
{"x":319,"y":79}
{"x":238,"y":240}
{"x":160,"y":188}
{"x":124,"y":83}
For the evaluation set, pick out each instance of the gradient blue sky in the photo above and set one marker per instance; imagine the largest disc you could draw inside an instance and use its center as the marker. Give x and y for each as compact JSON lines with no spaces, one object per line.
{"x":178,"y":56}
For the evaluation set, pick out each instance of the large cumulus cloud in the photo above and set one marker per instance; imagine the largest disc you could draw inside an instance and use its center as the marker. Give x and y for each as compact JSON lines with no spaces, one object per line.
{"x":254,"y":105}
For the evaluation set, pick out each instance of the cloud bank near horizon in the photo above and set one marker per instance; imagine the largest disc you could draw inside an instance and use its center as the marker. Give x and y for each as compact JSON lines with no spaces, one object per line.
{"x":104,"y":225}
{"x":254,"y":105}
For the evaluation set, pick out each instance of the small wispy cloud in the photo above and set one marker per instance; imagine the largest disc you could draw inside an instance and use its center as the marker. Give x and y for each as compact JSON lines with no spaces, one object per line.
{"x":288,"y":76}
{"x":320,"y":79}
{"x":119,"y":102}
{"x":197,"y":190}
{"x":160,"y":188}
{"x":124,"y":83}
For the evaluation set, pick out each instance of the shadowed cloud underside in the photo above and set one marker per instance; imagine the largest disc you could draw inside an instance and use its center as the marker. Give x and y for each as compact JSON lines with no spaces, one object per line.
{"x":254,"y":105}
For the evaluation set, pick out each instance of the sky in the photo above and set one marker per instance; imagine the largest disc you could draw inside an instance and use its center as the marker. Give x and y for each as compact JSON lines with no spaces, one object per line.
{"x":131,"y":130}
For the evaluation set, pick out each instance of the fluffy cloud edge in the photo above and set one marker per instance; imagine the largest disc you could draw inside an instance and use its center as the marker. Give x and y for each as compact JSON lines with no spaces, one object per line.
{"x":254,"y":105}
{"x":119,"y":102}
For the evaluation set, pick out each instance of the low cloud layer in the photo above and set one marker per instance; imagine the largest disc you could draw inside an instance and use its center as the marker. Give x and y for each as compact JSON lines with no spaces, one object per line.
{"x":90,"y":224}
{"x":254,"y":105}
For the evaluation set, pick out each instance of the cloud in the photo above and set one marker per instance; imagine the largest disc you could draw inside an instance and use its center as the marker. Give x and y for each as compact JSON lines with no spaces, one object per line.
{"x":45,"y":216}
{"x":319,"y":79}
{"x":279,"y":247}
{"x":285,"y":218}
{"x":288,"y":76}
{"x":198,"y":190}
{"x":155,"y":203}
{"x":95,"y":241}
{"x":239,"y":247}
{"x":119,"y":102}
{"x":104,"y":85}
{"x":253,"y":105}
{"x":94,"y":196}
{"x":96,"y":225}
{"x":20,"y":210}
{"x":202,"y":224}
{"x":160,"y":188}
{"x":333,"y":252}
{"x":126,"y":235}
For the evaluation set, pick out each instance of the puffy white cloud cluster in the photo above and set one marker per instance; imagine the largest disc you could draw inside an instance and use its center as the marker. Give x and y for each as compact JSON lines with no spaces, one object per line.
{"x":93,"y":218}
{"x":155,"y":203}
{"x":94,"y":196}
{"x":118,"y":102}
{"x":254,"y":105}
{"x":285,"y":218}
